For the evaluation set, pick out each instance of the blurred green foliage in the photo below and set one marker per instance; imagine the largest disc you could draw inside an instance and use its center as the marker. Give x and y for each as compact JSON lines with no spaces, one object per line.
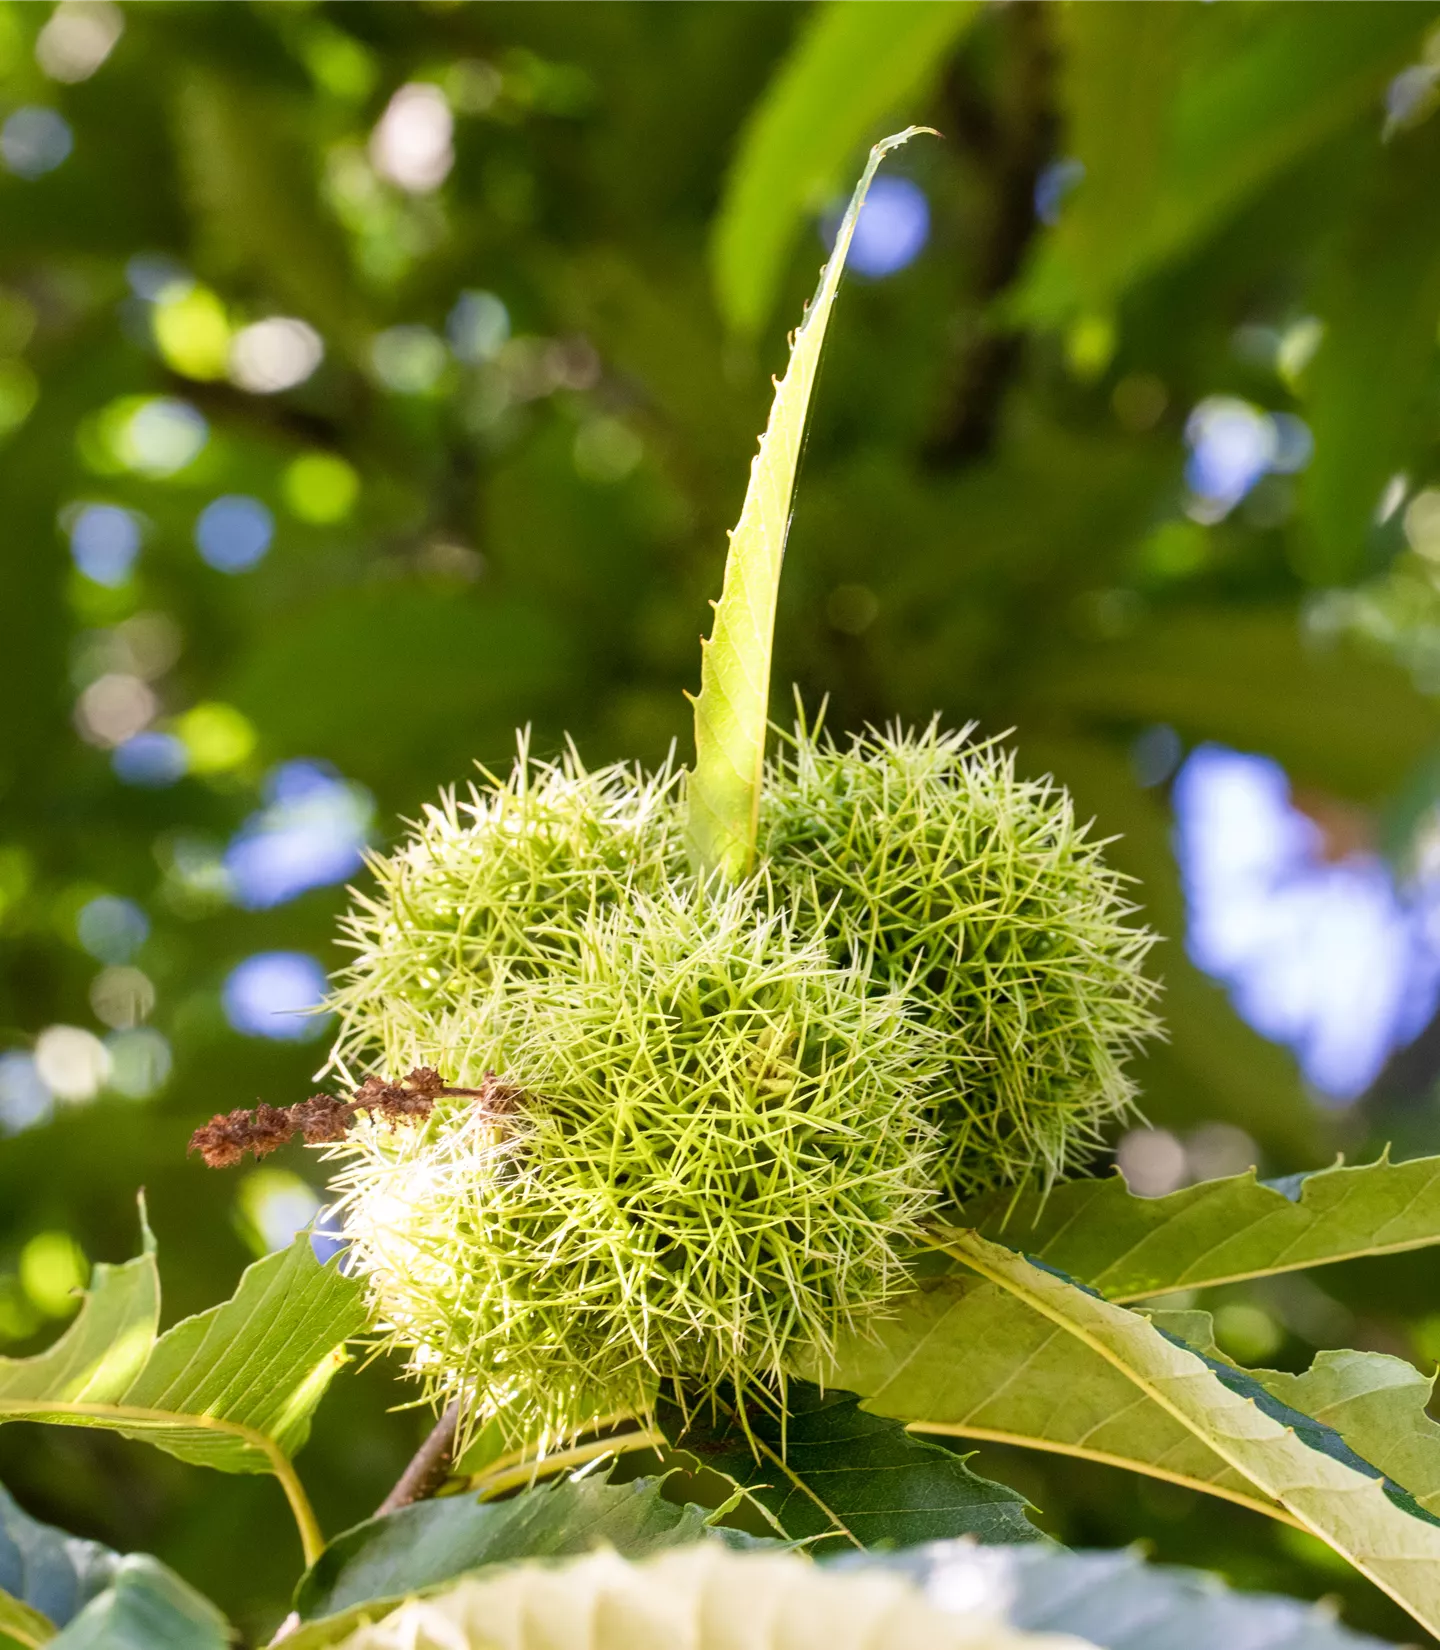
{"x":509,"y":509}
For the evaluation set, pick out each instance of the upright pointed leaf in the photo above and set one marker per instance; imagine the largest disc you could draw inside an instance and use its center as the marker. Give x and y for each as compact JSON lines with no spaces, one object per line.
{"x":851,"y":67}
{"x":732,"y":709}
{"x":1220,"y":1231}
{"x":845,"y":1478}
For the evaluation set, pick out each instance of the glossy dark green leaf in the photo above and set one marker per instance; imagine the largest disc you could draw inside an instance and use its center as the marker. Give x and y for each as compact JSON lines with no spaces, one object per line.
{"x":427,"y":1544}
{"x":835,"y":1472}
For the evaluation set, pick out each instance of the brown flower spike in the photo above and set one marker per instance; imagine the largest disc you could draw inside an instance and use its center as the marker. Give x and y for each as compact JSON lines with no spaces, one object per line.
{"x":225,"y":1139}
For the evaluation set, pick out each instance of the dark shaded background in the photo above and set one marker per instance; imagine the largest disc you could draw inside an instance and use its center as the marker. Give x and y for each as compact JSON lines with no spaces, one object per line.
{"x":992,"y":524}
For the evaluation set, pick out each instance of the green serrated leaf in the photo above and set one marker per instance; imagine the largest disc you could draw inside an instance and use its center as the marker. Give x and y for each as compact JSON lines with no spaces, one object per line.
{"x":46,"y":1576}
{"x":103,"y":1349}
{"x":966,"y":1359}
{"x":1305,"y":1467}
{"x":732,"y":708}
{"x":260,"y":1362}
{"x":1221,"y":1231}
{"x":146,"y":1608}
{"x":232,"y":1388}
{"x":851,"y":67}
{"x":1377,"y":1403}
{"x":836,"y":1473}
{"x":428,"y":1545}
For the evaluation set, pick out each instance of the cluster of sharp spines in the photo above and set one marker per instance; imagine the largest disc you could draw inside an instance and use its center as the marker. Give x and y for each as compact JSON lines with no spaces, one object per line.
{"x":547,"y":927}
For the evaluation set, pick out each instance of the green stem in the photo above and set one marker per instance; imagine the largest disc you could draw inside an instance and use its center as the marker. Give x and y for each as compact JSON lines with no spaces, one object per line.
{"x":312,"y":1540}
{"x":493,"y":1482}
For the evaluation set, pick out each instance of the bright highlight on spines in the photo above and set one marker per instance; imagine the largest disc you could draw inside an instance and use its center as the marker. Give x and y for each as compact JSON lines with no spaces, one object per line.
{"x":721,"y":1157}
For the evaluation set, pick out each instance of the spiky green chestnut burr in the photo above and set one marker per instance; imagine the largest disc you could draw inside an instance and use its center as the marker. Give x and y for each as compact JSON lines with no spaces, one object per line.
{"x":718,"y":1151}
{"x":928,"y":864}
{"x":488,"y":892}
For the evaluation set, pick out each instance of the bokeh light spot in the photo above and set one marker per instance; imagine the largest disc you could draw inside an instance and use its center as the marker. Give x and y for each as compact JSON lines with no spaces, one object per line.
{"x":73,"y":1063}
{"x":274,"y":355}
{"x":311,"y":834}
{"x":154,"y":436}
{"x":35,"y":140}
{"x":320,"y":488}
{"x":234,"y":532}
{"x":53,"y":1270}
{"x":192,"y":331}
{"x":150,"y":760}
{"x":217,"y":737}
{"x":77,"y":38}
{"x":112,"y":929}
{"x":25,"y":1097}
{"x":271,"y":1206}
{"x":1324,"y":954}
{"x":122,"y":997}
{"x":140,"y":1062}
{"x":411,"y":144}
{"x":274,"y":994}
{"x":112,"y":710}
{"x":478,"y":326}
{"x":409,"y":360}
{"x":104,"y":542}
{"x":892,"y":229}
{"x":606,"y":450}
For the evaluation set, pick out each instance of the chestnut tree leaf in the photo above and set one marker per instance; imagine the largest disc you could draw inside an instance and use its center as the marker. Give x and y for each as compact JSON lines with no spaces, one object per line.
{"x":732,"y":708}
{"x":429,"y":1544}
{"x":964,"y":1358}
{"x":842,"y":1477}
{"x":1307,"y":1468}
{"x":1219,"y":1231}
{"x":232,"y":1388}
